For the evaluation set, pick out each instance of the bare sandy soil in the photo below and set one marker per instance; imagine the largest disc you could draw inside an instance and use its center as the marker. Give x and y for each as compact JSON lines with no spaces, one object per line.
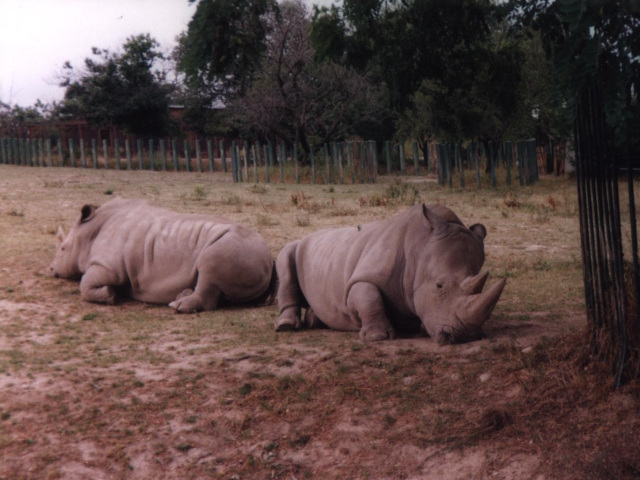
{"x":135,"y":391}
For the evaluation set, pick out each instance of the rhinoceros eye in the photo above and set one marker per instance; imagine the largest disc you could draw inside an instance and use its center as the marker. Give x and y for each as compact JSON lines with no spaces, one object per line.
{"x":439,"y":285}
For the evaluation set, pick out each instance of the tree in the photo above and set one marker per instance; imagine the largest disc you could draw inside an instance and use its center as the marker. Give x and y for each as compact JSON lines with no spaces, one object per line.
{"x":120,"y":89}
{"x":223,"y":45}
{"x":590,"y":40}
{"x":447,"y":74}
{"x":294,"y":97}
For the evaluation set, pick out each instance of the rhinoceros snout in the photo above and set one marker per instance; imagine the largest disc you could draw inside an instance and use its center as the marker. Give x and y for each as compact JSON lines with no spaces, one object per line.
{"x":449,"y":338}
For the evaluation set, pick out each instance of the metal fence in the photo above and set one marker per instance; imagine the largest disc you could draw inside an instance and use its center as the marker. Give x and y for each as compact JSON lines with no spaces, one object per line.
{"x":612,"y":286}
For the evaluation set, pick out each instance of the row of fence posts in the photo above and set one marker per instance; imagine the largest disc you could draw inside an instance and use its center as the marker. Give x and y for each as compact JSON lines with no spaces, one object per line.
{"x":357,"y":161}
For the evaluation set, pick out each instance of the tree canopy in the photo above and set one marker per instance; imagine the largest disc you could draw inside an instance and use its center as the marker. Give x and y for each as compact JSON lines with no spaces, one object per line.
{"x":427,"y":69}
{"x":120,"y":88}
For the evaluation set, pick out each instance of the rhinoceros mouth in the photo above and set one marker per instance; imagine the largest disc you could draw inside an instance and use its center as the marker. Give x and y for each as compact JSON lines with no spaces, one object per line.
{"x":452,"y":336}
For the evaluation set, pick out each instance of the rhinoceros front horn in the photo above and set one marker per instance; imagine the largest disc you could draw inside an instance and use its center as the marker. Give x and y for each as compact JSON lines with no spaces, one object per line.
{"x":477,"y":308}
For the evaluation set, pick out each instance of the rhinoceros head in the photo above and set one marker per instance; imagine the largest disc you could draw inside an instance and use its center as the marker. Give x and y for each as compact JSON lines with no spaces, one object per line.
{"x":70,"y":248}
{"x":448,"y":284}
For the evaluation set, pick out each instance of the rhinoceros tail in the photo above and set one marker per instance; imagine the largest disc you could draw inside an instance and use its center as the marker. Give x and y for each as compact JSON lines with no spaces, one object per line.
{"x":269,"y":296}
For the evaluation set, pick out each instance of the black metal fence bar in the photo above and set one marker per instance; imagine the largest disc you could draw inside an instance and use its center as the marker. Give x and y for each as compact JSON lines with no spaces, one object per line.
{"x":610,"y":298}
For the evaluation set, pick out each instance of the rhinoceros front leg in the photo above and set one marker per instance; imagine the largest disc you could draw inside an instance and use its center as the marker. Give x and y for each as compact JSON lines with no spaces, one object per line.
{"x":290,"y":297}
{"x":98,"y":285}
{"x":366,"y":306}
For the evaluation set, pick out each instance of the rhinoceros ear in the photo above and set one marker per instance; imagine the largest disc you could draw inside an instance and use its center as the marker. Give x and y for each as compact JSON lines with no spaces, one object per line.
{"x":479,"y":230}
{"x":438,"y":224}
{"x":87,"y":213}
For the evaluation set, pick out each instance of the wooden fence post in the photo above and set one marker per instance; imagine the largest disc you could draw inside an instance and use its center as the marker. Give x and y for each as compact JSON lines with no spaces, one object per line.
{"x":255,"y":154}
{"x":152,"y":161}
{"x":313,"y":165}
{"x":72,"y":156}
{"x":210,"y":154}
{"x":187,"y":155}
{"x":140,"y":153}
{"x":337,"y":161}
{"x":198,"y":155}
{"x":32,"y":155}
{"x":351,"y":160}
{"x":492,"y":164}
{"x":94,"y":154}
{"x":476,"y":160}
{"x":245,"y":160}
{"x":295,"y":162}
{"x":105,"y":153}
{"x":47,"y":145}
{"x":223,"y":158}
{"x":387,"y":153}
{"x":83,"y":158}
{"x":174,"y":155}
{"x":163,"y":154}
{"x":327,"y":163}
{"x":116,"y":148}
{"x":283,"y":158}
{"x":267,"y":160}
{"x":458,"y":155}
{"x":127,"y":153}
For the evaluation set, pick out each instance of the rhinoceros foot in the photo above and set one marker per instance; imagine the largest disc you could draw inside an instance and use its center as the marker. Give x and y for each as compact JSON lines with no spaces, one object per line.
{"x":186,"y":302}
{"x":377,"y":333}
{"x":288,"y":320}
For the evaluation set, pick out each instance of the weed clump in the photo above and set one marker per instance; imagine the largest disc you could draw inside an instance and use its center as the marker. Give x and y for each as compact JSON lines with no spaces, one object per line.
{"x":393,"y":195}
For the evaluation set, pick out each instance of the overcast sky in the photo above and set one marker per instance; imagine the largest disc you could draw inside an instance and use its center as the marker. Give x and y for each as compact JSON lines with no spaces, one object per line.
{"x":38,"y":36}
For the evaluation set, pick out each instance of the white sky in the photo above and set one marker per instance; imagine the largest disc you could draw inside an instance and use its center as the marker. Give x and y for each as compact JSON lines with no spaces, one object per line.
{"x":38,"y":36}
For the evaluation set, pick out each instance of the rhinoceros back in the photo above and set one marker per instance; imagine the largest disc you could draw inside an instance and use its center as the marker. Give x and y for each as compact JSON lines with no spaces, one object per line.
{"x":158,"y":253}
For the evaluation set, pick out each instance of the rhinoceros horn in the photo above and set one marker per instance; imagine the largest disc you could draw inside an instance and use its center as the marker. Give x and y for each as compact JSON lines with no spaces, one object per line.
{"x":473,"y":285}
{"x":478,"y":306}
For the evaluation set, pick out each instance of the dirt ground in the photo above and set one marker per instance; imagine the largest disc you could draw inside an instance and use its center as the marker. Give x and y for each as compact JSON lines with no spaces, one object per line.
{"x":135,"y":391}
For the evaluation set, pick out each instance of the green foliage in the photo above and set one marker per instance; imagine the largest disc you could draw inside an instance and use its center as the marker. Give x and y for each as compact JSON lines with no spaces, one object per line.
{"x":224,"y":42}
{"x":591,"y":40}
{"x":450,"y":68}
{"x":120,"y":89}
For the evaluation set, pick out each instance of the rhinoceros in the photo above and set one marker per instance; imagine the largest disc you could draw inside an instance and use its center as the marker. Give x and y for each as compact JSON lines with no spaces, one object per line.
{"x":191,"y":262}
{"x":417,"y":270}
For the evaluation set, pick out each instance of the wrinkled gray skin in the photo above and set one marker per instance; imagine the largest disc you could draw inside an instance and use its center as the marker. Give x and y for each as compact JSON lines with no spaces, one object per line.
{"x":419,"y":269}
{"x":138,"y":250}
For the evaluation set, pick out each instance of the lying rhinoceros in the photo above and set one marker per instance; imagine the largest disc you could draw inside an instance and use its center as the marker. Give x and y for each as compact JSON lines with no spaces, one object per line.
{"x":137,"y":250}
{"x":419,"y":268}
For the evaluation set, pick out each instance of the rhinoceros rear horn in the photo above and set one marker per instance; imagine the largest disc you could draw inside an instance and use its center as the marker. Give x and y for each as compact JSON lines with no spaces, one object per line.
{"x":87,"y":213}
{"x":475,"y":284}
{"x":478,"y":307}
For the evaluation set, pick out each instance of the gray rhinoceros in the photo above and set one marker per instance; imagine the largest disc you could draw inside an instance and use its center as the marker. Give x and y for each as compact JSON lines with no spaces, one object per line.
{"x":141,"y":251}
{"x":420,"y":268}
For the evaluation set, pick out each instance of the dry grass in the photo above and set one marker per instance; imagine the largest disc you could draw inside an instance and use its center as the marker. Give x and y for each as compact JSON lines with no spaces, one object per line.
{"x":135,"y":391}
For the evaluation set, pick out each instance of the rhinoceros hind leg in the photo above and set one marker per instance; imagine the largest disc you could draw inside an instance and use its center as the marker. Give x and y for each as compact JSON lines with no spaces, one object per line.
{"x":367,"y":307}
{"x":189,"y":301}
{"x":290,"y":297}
{"x":185,"y":293}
